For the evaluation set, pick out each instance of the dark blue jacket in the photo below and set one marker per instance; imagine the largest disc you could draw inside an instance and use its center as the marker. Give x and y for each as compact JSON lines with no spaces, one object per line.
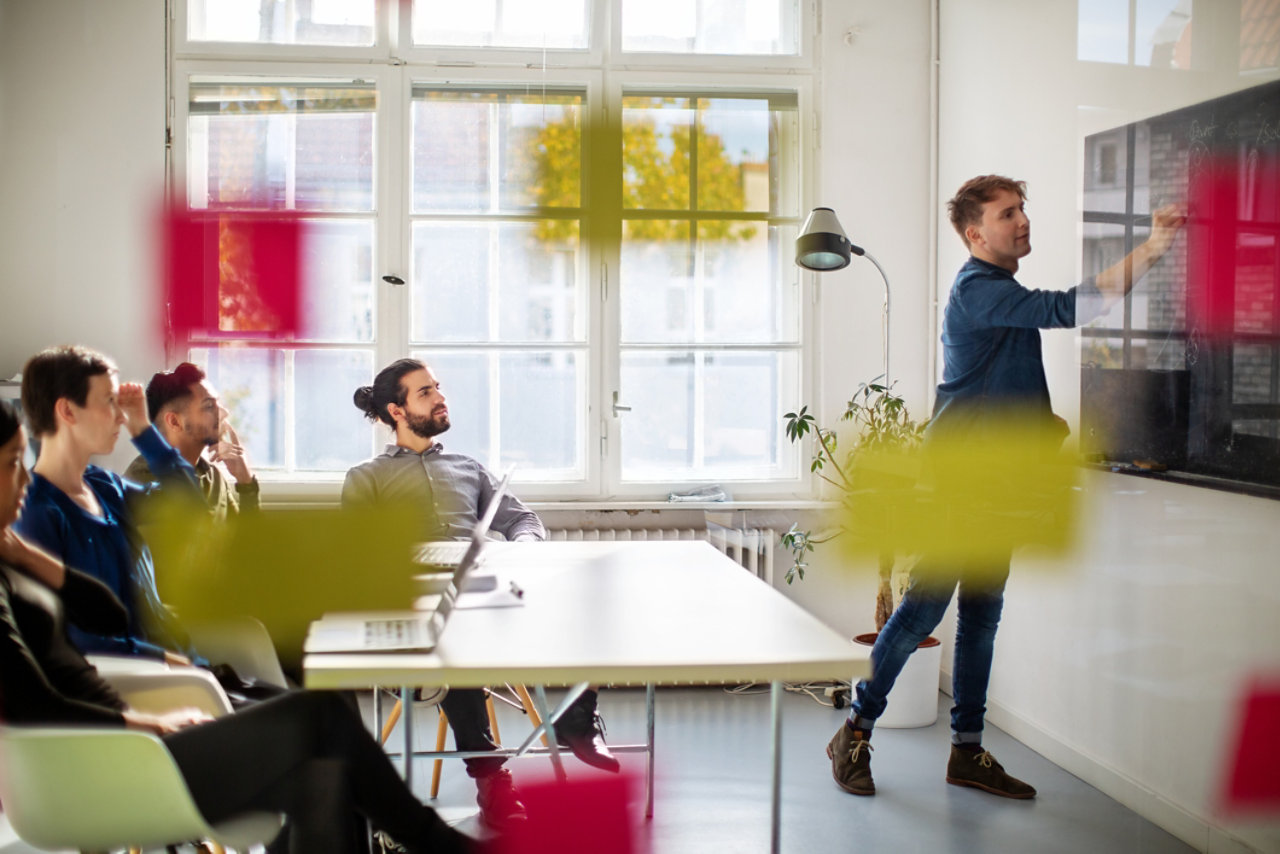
{"x":109,"y":547}
{"x":991,"y":345}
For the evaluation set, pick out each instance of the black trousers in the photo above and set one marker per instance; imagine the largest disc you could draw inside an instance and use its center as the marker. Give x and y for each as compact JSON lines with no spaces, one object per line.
{"x":469,"y":720}
{"x":306,"y":754}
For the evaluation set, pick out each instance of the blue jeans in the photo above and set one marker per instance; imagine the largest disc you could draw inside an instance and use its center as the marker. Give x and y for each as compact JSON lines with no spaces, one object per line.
{"x":921,"y":609}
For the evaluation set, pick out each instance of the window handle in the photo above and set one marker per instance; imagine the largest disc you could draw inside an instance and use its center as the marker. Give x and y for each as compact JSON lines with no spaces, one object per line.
{"x":618,"y":407}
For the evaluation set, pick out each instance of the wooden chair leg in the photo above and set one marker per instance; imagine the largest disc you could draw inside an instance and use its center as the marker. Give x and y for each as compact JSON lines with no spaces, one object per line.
{"x":392,"y":720}
{"x":493,"y":719}
{"x":530,"y":709}
{"x":441,"y":729}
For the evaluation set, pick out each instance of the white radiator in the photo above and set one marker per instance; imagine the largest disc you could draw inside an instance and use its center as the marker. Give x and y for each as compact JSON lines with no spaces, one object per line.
{"x":752,"y":548}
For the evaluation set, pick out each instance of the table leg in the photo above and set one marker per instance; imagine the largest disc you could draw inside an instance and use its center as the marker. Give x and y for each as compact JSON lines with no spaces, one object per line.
{"x":549,"y":721}
{"x":775,"y":714}
{"x":406,"y":721}
{"x":648,"y":775}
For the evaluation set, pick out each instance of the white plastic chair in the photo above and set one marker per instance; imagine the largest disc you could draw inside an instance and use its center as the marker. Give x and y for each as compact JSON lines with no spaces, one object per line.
{"x":242,"y":642}
{"x":97,"y":789}
{"x":157,"y":692}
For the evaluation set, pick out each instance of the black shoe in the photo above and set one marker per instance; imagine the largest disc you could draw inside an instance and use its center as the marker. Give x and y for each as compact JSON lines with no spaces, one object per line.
{"x":581,"y":729}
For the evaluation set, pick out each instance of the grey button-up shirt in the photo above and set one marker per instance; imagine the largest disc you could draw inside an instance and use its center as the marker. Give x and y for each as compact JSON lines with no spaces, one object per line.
{"x":453,"y":490}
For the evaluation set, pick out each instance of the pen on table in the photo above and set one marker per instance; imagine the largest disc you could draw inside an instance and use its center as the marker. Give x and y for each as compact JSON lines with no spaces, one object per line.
{"x":517,"y":590}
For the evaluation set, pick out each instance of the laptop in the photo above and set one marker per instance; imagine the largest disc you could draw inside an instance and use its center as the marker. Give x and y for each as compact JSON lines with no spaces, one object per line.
{"x":408,"y":631}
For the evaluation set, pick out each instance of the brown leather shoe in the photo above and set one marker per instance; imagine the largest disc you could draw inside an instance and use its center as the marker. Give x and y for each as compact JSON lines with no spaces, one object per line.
{"x":500,"y":806}
{"x":850,"y":754}
{"x":980,"y":770}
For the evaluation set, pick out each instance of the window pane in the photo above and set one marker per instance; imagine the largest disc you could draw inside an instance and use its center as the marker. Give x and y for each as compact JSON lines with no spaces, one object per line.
{"x":1105,"y":171}
{"x":281,"y":147}
{"x":738,"y":164}
{"x":724,"y":153}
{"x":251,"y":384}
{"x":1102,"y":353}
{"x":1251,"y":373}
{"x":1163,"y":34}
{"x":655,"y":152}
{"x":701,"y":416}
{"x":338,"y":296}
{"x":756,"y":27}
{"x":496,"y":281}
{"x":1102,"y":33}
{"x":485,"y":150}
{"x":523,"y":408}
{"x":332,"y":22}
{"x":551,"y":24}
{"x":331,"y":434}
{"x":1257,"y":289}
{"x":734,"y":284}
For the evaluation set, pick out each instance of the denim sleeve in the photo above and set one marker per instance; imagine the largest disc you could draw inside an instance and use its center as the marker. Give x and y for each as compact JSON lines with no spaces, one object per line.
{"x":993,"y":302}
{"x":42,"y":523}
{"x":89,"y":643}
{"x":170,"y":469}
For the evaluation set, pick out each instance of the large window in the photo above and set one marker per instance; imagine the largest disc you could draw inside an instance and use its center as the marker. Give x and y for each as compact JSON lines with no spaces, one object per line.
{"x":595,"y":259}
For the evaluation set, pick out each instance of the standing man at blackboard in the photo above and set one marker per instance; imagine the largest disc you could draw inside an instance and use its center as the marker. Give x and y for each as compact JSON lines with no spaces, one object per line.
{"x":992,"y":370}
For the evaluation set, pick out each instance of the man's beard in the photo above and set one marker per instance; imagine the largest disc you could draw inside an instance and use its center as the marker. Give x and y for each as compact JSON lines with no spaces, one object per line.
{"x":426,"y":426}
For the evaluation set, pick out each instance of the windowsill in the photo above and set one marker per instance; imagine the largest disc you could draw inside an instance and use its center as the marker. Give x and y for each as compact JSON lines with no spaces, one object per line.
{"x":318,"y":492}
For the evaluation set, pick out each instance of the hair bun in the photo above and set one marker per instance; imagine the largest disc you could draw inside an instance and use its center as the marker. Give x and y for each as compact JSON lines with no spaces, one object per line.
{"x":364,"y":400}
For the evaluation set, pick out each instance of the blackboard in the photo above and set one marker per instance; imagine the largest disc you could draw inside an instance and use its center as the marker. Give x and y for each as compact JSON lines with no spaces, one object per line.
{"x":1185,"y":374}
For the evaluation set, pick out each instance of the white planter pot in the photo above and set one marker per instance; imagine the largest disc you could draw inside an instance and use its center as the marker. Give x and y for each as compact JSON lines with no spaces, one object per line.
{"x":913,"y":702}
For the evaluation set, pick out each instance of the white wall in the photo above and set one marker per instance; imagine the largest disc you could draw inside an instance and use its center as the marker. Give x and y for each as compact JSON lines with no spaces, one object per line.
{"x":873,"y":170}
{"x":1124,"y":664}
{"x":81,"y":173}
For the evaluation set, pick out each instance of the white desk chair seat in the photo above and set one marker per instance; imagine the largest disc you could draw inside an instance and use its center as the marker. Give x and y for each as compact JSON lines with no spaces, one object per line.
{"x":98,"y":789}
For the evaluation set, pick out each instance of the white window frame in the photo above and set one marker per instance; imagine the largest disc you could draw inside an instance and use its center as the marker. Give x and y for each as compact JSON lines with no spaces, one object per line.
{"x":394,"y":66}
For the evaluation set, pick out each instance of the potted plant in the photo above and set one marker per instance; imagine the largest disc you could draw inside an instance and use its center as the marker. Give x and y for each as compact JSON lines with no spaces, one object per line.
{"x":879,"y":458}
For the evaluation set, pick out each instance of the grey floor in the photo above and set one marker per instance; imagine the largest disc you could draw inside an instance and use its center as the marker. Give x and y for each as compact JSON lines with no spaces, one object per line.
{"x":712,"y":789}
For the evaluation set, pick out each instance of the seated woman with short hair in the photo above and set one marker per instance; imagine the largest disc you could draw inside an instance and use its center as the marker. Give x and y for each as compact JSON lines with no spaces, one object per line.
{"x":83,"y":514}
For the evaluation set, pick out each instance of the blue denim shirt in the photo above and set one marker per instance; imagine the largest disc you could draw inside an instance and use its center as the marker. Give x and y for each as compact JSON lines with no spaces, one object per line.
{"x":991,"y":344}
{"x":109,"y":548}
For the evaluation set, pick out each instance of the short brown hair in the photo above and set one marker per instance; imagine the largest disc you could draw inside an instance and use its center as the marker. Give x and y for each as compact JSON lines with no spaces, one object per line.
{"x":55,"y":373}
{"x":965,"y":208}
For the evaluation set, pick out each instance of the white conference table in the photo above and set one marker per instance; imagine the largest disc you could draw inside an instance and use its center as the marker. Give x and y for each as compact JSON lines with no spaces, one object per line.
{"x":621,"y":613}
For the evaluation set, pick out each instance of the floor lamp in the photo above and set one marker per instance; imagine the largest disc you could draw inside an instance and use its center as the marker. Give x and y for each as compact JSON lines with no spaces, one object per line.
{"x":823,"y":246}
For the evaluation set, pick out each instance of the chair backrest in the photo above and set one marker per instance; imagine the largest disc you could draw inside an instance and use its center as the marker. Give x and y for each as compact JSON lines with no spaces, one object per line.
{"x":244,"y":643}
{"x":96,"y":789}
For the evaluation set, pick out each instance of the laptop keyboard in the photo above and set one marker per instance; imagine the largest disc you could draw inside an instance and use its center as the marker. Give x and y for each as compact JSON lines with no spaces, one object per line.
{"x":442,"y":553}
{"x":392,"y":634}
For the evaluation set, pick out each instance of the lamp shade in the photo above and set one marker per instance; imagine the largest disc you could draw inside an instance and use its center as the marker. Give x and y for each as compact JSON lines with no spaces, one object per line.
{"x":822,"y":244}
